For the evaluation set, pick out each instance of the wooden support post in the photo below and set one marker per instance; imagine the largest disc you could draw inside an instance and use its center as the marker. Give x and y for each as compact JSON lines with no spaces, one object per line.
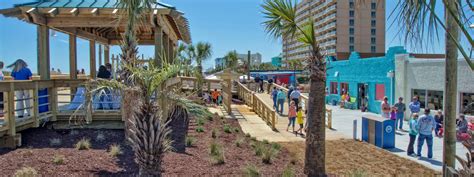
{"x":165,"y":47}
{"x":170,"y":50}
{"x":100,"y":54}
{"x":93,"y":67}
{"x":107,"y":54}
{"x":113,"y":67}
{"x":43,"y":52}
{"x":36,"y":105}
{"x":158,"y":45}
{"x":10,"y":107}
{"x":88,"y":103}
{"x":53,"y":102}
{"x":72,"y":56}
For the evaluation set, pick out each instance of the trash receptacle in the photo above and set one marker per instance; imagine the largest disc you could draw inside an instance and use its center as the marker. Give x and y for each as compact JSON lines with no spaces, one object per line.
{"x":378,"y":131}
{"x":43,"y":100}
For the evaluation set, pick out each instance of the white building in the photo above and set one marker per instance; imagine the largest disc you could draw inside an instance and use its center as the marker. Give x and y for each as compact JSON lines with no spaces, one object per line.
{"x":425,"y":77}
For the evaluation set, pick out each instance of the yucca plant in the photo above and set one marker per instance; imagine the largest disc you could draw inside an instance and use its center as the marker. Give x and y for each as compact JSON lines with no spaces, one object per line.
{"x":281,"y":23}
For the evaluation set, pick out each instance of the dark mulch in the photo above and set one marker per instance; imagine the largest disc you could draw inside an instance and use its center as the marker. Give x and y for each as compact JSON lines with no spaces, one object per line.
{"x":37,"y":153}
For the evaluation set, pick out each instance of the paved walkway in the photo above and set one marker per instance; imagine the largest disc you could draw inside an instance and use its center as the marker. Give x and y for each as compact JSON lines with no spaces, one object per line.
{"x":343,"y":127}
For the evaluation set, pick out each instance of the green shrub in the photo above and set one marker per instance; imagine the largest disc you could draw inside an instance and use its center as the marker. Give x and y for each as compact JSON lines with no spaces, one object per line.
{"x":100,"y":137}
{"x":210,"y":118}
{"x":248,"y":135}
{"x":200,"y":122}
{"x":55,"y":142}
{"x":26,"y":172}
{"x":236,"y":130}
{"x":251,"y":171}
{"x":58,"y":159}
{"x":227,"y":128}
{"x":264,"y":141}
{"x":214,"y":133}
{"x":200,"y":129}
{"x":258,"y":148}
{"x":83,"y":144}
{"x":239,"y":141}
{"x":276,"y":146}
{"x":190,"y":141}
{"x":288,"y":172}
{"x":115,"y":150}
{"x":267,"y":154}
{"x":253,"y":138}
{"x":216,"y":154}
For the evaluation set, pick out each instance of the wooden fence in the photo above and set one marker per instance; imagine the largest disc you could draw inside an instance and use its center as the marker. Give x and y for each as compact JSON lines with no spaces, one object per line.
{"x":266,"y":112}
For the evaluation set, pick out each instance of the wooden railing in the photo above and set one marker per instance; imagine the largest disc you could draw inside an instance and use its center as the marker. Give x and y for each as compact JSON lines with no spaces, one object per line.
{"x":208,"y":84}
{"x":304,"y":100}
{"x":265,"y":111}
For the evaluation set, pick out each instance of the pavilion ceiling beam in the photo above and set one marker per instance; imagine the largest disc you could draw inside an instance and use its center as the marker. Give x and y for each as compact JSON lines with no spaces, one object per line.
{"x":84,"y":34}
{"x":75,"y":12}
{"x":84,"y":22}
{"x":53,"y":12}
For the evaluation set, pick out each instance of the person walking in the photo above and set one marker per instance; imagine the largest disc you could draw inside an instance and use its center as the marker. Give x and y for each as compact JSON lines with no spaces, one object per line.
{"x":439,"y":118}
{"x":414,"y":105}
{"x":290,"y":90}
{"x":274,"y":95}
{"x":280,"y":101}
{"x":295,"y":96}
{"x":426,"y":125}
{"x":215,"y":95}
{"x":20,"y":71}
{"x":401,"y":108}
{"x":385,"y":108}
{"x":261,"y":85}
{"x":291,"y":116}
{"x":269,"y":86}
{"x":300,"y":121}
{"x":257,"y":83}
{"x":2,"y":77}
{"x":412,"y":133}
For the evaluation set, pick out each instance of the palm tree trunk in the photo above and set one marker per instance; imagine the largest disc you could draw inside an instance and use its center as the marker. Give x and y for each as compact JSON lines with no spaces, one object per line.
{"x":200,"y":79}
{"x":179,"y":123}
{"x":450,"y":88}
{"x":315,"y":140}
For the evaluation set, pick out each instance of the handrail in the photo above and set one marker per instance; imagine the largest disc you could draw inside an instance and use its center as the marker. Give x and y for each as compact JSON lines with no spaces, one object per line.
{"x":266,"y":112}
{"x":305,"y":100}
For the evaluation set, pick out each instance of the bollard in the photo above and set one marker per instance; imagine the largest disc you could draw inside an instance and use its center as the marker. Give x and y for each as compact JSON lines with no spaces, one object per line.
{"x":355,"y":129}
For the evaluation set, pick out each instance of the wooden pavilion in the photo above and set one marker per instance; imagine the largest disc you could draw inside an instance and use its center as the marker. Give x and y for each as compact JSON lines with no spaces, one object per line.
{"x":100,"y":22}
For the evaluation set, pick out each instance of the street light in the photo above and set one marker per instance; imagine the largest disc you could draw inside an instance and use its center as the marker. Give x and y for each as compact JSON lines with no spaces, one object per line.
{"x":391,"y":75}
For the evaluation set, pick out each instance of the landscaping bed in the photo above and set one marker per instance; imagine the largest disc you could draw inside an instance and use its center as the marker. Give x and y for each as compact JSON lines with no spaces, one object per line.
{"x":54,"y":153}
{"x":354,"y":158}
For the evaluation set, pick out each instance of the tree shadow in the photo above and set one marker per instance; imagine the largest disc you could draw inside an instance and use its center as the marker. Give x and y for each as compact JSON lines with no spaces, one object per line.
{"x":431,"y":161}
{"x":396,"y":150}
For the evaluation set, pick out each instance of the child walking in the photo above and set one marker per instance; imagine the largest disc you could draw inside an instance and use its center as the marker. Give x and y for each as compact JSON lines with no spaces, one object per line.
{"x":299,"y":121}
{"x":413,"y":133}
{"x":291,"y":116}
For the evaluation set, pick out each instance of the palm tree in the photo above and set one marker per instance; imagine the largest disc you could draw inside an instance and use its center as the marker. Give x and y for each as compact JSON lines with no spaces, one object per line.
{"x":184,"y":59}
{"x":232,"y":59}
{"x":203,"y":52}
{"x":281,"y":22}
{"x":415,"y":17}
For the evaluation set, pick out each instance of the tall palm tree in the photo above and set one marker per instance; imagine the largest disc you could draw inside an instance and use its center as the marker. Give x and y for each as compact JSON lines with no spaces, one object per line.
{"x":203,"y":52}
{"x":232,"y":59}
{"x":415,"y":17}
{"x":281,"y":22}
{"x":184,"y":59}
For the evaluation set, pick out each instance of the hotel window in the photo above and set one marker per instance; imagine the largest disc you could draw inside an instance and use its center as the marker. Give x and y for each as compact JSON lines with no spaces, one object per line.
{"x":372,"y":49}
{"x":373,"y":14}
{"x":467,"y":103}
{"x":372,"y":23}
{"x":372,"y":31}
{"x":351,"y":4}
{"x":351,"y":13}
{"x":351,"y":31}
{"x":379,"y":91}
{"x":351,"y":48}
{"x":344,"y":87}
{"x":373,"y":5}
{"x":351,"y":22}
{"x":372,"y":40}
{"x":351,"y":40}
{"x":333,"y":87}
{"x":429,"y":98}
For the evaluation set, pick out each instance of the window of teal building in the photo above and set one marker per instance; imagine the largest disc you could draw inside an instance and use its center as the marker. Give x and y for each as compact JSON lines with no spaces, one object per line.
{"x":379,"y":91}
{"x":333,"y":87}
{"x":344,"y":87}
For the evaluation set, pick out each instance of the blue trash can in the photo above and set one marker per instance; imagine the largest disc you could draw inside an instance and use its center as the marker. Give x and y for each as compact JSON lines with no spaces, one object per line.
{"x":378,"y":131}
{"x":42,"y":99}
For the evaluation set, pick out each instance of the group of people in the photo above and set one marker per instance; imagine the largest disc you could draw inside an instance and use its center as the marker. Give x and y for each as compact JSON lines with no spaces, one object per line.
{"x":421,"y":126}
{"x":295,"y":112}
{"x":215,"y":97}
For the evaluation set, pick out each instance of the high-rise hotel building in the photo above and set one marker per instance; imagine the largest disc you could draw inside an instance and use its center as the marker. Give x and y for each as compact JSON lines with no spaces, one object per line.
{"x":341,"y":27}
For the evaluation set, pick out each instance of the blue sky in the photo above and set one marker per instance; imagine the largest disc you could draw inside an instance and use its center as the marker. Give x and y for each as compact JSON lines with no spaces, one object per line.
{"x":226,"y":24}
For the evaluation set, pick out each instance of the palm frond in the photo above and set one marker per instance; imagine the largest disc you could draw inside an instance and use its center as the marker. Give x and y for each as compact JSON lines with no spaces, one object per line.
{"x":280,"y":18}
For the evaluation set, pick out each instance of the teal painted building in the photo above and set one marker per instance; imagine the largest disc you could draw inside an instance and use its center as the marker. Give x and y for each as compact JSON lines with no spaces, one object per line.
{"x":363,"y":77}
{"x":276,"y":61}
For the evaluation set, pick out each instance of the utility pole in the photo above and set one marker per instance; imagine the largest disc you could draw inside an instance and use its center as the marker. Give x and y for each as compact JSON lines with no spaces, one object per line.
{"x":248,"y":65}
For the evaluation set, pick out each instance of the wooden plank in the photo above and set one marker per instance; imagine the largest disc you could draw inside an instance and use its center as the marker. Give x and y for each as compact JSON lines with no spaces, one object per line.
{"x":72,"y":56}
{"x":35,"y":105}
{"x":100,"y":54}
{"x":43,"y":52}
{"x":10,"y":107}
{"x":79,"y":21}
{"x":107,"y":54}
{"x":92,"y":62}
{"x":158,"y":42}
{"x":84,"y":34}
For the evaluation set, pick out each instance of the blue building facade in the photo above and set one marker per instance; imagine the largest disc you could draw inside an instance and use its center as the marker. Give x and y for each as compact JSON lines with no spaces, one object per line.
{"x":372,"y":78}
{"x":276,"y":61}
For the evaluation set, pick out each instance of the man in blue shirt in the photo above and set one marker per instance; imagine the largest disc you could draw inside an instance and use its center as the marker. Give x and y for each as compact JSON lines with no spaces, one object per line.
{"x":295,"y":96}
{"x":414,"y":105}
{"x":281,"y":100}
{"x":426,"y":125}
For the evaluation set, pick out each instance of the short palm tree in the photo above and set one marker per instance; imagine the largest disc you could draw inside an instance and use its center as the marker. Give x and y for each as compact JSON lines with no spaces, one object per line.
{"x":281,"y":22}
{"x":416,"y":16}
{"x":184,"y":59}
{"x":232,"y":59}
{"x":149,"y":133}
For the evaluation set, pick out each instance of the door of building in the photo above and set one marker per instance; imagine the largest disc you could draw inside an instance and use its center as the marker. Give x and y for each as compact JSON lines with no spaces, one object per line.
{"x":363,"y":90}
